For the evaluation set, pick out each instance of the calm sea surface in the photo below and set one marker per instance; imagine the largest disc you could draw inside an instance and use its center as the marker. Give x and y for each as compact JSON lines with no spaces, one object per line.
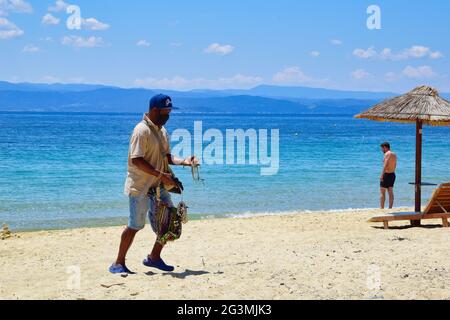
{"x":68,"y":170}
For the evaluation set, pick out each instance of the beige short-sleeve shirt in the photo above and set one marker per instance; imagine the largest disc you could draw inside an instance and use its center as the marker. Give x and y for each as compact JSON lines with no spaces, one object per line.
{"x":144,"y":144}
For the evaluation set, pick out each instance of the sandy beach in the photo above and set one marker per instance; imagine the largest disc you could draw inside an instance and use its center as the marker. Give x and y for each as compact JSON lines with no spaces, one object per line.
{"x":306,"y":256}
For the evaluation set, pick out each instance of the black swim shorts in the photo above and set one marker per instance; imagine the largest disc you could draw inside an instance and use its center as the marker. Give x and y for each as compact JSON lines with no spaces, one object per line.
{"x":388,"y":181}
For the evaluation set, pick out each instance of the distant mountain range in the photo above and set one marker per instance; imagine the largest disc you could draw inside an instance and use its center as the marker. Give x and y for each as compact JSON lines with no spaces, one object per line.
{"x":28,"y":97}
{"x":36,"y":87}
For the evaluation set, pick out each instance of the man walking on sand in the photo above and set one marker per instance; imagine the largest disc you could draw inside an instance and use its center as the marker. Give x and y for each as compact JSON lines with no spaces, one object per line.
{"x":148,"y":166}
{"x":388,"y":175}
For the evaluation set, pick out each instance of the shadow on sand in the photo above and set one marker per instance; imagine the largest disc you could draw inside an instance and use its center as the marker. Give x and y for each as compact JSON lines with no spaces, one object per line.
{"x":430,"y":226}
{"x":181,"y":275}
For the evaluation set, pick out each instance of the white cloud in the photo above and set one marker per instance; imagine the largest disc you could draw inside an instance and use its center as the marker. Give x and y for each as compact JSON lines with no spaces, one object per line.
{"x":176,"y":82}
{"x":143,"y":43}
{"x":176,"y":44}
{"x":86,"y":24}
{"x":415,"y":52}
{"x":436,"y":55}
{"x":291,"y":75}
{"x":49,"y":79}
{"x":50,"y":19}
{"x":181,"y":83}
{"x":18,"y":6}
{"x":47,"y":39}
{"x":387,"y":54}
{"x":76,"y":80}
{"x":420,"y":52}
{"x":365,"y":54}
{"x":336,"y":42}
{"x":94,"y":25}
{"x":81,"y":42}
{"x":315,"y":54}
{"x":360,"y":74}
{"x":295,"y":76}
{"x":31,"y":49}
{"x":9,"y":30}
{"x":59,"y":6}
{"x":423,"y":72}
{"x":14,"y":79}
{"x":242,"y":80}
{"x":219,"y":49}
{"x":391,"y":77}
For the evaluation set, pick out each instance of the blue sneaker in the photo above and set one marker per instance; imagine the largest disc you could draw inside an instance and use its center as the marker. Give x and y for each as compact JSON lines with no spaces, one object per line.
{"x":160,"y":264}
{"x":119,"y":269}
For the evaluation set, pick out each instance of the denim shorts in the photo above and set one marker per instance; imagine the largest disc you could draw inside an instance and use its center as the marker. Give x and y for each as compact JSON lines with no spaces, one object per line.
{"x":143,"y":206}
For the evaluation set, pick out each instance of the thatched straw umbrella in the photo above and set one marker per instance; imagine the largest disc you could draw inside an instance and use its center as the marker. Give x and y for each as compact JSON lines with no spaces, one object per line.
{"x":423,"y":105}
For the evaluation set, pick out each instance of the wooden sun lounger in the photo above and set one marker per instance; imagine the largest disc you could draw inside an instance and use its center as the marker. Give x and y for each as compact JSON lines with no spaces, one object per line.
{"x":438,"y":208}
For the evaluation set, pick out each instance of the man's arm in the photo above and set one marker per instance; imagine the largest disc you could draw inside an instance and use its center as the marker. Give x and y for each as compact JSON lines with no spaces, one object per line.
{"x":387,"y":158}
{"x":146,"y":167}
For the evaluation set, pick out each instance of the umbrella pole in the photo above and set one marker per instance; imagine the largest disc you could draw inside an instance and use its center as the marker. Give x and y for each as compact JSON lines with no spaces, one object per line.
{"x":419,"y":126}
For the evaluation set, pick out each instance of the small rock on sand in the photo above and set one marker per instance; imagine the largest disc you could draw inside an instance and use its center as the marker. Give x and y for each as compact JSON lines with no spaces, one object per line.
{"x":6,"y":233}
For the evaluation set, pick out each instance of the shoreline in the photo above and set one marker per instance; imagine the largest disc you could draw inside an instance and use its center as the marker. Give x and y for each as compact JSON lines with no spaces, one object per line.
{"x":122,"y":221}
{"x":311,"y":256}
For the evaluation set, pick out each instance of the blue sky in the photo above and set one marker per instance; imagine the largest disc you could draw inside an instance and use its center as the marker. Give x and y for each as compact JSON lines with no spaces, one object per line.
{"x":227,"y":44}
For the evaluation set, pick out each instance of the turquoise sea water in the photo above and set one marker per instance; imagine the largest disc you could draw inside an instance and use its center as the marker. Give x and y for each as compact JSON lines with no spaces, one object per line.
{"x":66,"y":170}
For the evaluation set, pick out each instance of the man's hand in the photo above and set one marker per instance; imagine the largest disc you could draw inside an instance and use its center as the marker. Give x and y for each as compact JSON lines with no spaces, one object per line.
{"x":382,"y":178}
{"x":191,"y":162}
{"x":188,"y":162}
{"x":167,"y":179}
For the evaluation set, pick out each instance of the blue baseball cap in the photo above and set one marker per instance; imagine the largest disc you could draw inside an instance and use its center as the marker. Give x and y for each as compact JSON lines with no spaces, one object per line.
{"x":161,"y":102}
